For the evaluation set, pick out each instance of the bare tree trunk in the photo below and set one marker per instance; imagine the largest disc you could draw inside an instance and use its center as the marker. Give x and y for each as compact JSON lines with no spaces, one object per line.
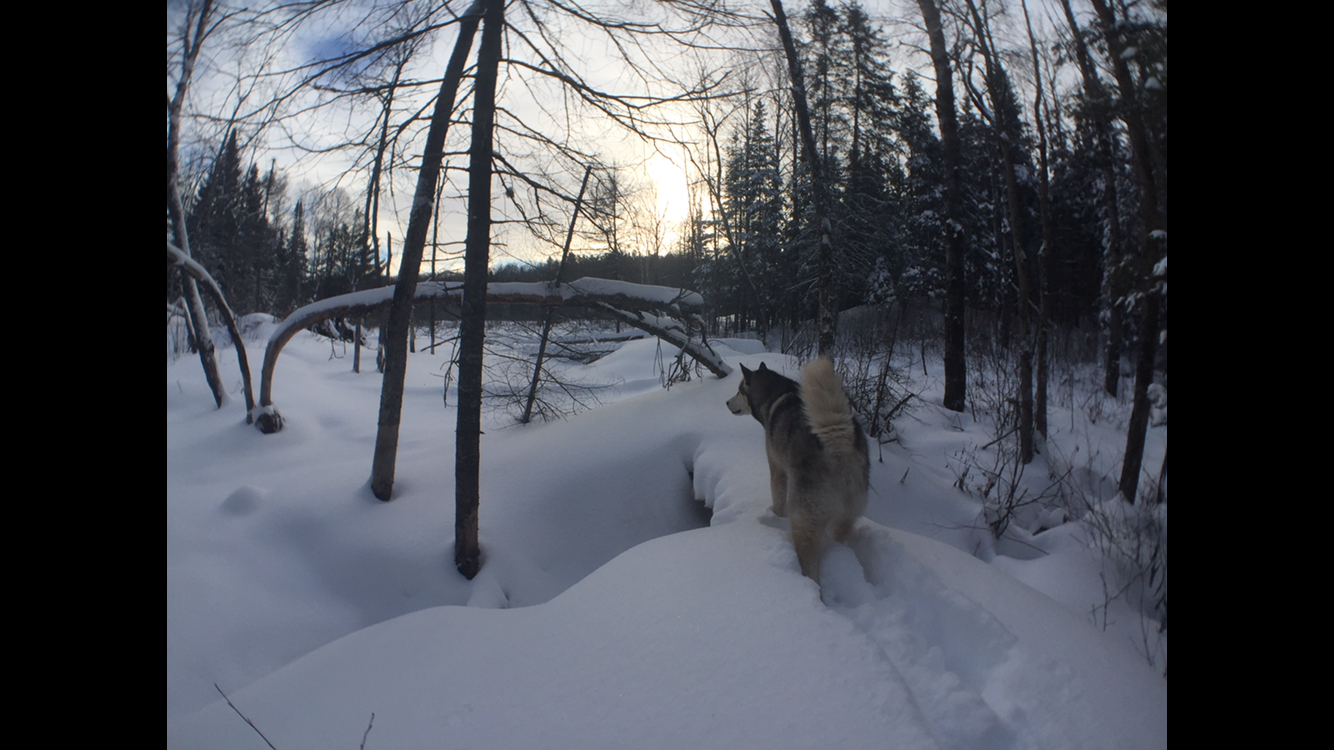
{"x":435,"y":246}
{"x":647,"y":311}
{"x":395,"y":332}
{"x":203,"y":25}
{"x":956,"y":375}
{"x":1152,"y":222}
{"x":549,"y":313}
{"x":1112,"y":287}
{"x":1139,"y":416}
{"x":824,"y":264}
{"x":198,"y":316}
{"x":370,"y":225}
{"x":1006,"y":132}
{"x":193,"y":272}
{"x":1044,"y":252}
{"x":477,"y":248}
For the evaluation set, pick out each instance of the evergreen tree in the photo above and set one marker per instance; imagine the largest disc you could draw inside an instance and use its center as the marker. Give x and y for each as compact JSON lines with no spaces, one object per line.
{"x":230,"y":231}
{"x":920,"y":266}
{"x":827,"y":57}
{"x":753,"y":200}
{"x":214,"y":221}
{"x":870,"y":205}
{"x":255,"y":250}
{"x":291,"y":267}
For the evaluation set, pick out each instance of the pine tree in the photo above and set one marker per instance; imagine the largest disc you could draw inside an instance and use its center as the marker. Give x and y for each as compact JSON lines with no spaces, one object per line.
{"x":871,"y":106}
{"x":291,"y":267}
{"x":920,"y":270}
{"x":761,"y":271}
{"x":214,"y":221}
{"x":827,"y":56}
{"x":230,"y":227}
{"x":255,"y":248}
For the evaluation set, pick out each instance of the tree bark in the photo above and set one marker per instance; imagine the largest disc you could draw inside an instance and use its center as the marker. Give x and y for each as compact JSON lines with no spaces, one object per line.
{"x":956,"y":375}
{"x":477,"y":248}
{"x":1153,"y":224}
{"x":202,"y":27}
{"x":1044,"y":252}
{"x":394,"y":334}
{"x":1139,"y":415}
{"x":195,"y":272}
{"x":640,"y":308}
{"x":824,"y":265}
{"x":1109,"y":318}
{"x":1007,"y":133}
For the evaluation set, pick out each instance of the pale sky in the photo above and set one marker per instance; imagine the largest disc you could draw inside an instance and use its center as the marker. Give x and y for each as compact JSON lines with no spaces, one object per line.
{"x":544,"y":105}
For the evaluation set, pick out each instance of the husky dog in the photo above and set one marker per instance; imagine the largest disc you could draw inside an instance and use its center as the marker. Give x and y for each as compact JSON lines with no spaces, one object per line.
{"x":818,"y":469}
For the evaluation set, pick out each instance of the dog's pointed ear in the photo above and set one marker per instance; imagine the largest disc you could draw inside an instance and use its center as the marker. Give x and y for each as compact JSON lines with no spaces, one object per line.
{"x":762,"y":368}
{"x":745,"y":373}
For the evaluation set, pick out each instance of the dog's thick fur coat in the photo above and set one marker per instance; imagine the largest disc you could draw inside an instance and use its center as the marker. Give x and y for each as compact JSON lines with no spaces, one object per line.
{"x":818,"y":467}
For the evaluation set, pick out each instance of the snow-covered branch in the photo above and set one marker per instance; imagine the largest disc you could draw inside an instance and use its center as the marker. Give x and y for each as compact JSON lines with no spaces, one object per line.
{"x":674,"y":333}
{"x":650,"y":308}
{"x":192,"y":268}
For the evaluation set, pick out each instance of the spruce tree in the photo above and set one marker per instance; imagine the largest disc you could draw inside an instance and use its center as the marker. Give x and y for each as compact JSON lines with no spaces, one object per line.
{"x":920,"y":270}
{"x":214,"y":221}
{"x":291,"y":268}
{"x":762,"y":272}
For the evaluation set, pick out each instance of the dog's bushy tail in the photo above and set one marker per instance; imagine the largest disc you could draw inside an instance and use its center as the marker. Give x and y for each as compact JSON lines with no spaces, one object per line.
{"x":826,"y":406}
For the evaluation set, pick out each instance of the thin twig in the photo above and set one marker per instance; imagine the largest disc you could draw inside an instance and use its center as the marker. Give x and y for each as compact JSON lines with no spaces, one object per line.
{"x":243,"y":716}
{"x":368,"y":731}
{"x":1004,"y":435}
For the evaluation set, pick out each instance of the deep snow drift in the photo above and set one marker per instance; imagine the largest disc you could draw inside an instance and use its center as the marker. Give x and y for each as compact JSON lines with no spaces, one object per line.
{"x":611,"y":611}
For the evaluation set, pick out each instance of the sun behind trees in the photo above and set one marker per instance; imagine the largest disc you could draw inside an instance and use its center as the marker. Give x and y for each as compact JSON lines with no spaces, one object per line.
{"x":857,"y":162}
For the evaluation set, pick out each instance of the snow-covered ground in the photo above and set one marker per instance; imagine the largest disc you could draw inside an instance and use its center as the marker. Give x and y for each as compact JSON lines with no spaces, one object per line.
{"x":611,"y":611}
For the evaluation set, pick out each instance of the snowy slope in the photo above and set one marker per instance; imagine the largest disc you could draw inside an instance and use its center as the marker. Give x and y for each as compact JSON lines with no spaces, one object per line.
{"x":629,"y":622}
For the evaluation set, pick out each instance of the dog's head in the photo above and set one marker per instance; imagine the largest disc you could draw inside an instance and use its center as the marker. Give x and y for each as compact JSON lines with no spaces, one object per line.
{"x":740,"y":403}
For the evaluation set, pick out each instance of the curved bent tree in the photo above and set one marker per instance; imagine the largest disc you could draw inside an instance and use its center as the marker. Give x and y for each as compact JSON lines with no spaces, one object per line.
{"x":192,"y":270}
{"x":653,"y":309}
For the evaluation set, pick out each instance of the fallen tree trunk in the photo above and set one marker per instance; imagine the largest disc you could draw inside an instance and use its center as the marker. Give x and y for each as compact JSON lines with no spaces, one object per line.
{"x":646,"y":307}
{"x":671,"y":331}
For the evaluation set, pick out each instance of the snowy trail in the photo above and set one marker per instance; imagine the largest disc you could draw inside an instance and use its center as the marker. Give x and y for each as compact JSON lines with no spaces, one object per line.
{"x":984,"y":657}
{"x":901,"y":608}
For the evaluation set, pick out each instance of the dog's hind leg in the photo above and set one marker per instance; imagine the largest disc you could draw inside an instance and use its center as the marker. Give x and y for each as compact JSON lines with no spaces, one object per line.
{"x":778,"y":488}
{"x":842,"y":527}
{"x":808,"y":540}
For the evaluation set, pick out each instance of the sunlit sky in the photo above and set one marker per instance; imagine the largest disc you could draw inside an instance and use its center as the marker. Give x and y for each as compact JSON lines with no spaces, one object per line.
{"x":661,"y":169}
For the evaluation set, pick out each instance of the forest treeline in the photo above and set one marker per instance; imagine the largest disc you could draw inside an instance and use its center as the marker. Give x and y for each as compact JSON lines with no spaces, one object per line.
{"x":1022,"y":175}
{"x":748,"y":242}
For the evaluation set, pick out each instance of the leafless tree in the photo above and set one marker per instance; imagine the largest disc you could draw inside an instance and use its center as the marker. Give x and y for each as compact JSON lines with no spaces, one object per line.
{"x":1151,"y":181}
{"x":198,"y":24}
{"x":549,"y":313}
{"x":395,"y":333}
{"x":956,"y":374}
{"x":1040,"y":117}
{"x":1003,"y":117}
{"x":820,"y":187}
{"x":1099,"y":110}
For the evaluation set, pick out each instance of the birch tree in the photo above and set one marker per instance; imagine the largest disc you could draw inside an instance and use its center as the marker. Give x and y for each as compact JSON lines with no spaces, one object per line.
{"x":198,"y":24}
